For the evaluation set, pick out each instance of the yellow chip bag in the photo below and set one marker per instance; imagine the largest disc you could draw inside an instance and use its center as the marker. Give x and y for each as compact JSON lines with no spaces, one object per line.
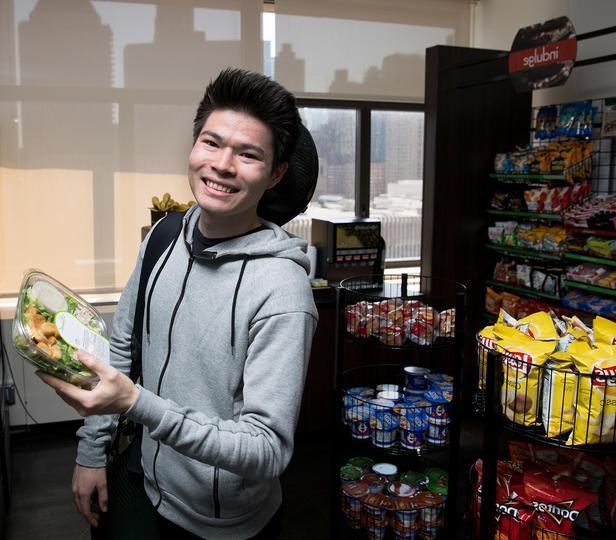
{"x":595,"y":413}
{"x":605,"y":331}
{"x":485,"y":342}
{"x":539,"y":326}
{"x":559,"y":386}
{"x":502,"y":331}
{"x":522,"y":363}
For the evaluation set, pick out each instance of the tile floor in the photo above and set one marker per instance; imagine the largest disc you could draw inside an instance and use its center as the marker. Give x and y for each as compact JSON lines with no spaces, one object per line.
{"x":42,"y":508}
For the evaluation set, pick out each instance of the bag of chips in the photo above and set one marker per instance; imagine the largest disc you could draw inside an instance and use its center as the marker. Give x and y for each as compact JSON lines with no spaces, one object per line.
{"x":557,"y":503}
{"x":596,"y":397}
{"x":485,"y":342}
{"x":559,"y":387}
{"x":520,"y":392}
{"x":539,"y":326}
{"x":604,"y":331}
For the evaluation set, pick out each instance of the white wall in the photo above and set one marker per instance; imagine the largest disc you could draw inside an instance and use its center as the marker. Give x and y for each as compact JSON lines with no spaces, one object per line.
{"x":497,"y":21}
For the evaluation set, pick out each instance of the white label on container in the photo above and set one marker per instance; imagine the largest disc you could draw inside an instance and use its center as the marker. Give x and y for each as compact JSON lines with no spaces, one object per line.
{"x":78,"y":335}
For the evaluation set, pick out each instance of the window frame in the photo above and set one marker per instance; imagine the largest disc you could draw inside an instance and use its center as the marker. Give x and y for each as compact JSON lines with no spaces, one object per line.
{"x":363,"y":133}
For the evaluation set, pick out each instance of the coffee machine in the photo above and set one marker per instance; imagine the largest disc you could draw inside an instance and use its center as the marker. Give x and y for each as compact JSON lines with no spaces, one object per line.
{"x":348,"y":247}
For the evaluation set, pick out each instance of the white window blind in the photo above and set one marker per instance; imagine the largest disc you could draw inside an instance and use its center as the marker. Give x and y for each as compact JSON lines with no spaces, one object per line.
{"x":363,"y":49}
{"x":97,"y":100}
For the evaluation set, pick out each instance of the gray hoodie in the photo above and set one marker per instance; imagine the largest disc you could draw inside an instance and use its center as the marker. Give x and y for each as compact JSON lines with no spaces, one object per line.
{"x":226,"y":343}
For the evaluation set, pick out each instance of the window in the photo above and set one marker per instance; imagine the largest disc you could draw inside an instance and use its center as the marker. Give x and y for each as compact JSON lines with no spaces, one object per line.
{"x":396,"y":173}
{"x":382,"y":173}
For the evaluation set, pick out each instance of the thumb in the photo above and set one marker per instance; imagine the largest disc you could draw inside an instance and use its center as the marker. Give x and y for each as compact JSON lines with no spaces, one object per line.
{"x":93,"y":363}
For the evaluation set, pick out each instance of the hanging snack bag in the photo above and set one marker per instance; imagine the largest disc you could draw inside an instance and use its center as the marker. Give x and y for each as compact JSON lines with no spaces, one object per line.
{"x":596,"y":397}
{"x":604,"y":331}
{"x":520,"y":392}
{"x":559,"y":387}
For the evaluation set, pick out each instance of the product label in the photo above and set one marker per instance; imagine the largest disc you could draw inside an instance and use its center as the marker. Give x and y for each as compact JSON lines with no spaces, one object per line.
{"x":78,"y":335}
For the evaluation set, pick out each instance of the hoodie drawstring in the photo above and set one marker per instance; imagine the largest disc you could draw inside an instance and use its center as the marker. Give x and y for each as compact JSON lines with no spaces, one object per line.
{"x":237,"y":288}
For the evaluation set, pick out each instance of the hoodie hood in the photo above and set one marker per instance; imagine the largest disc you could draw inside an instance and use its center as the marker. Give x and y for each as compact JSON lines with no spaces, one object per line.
{"x":273,"y":241}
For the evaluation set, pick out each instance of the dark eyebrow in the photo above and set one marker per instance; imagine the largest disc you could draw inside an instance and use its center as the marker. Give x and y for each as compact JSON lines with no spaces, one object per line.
{"x":243,"y":146}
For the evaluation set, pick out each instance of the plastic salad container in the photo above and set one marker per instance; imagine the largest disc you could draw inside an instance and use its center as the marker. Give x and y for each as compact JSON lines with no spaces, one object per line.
{"x":52,"y":323}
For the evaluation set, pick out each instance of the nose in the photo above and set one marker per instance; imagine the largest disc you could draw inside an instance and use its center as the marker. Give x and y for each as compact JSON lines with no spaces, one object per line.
{"x":223,"y":162}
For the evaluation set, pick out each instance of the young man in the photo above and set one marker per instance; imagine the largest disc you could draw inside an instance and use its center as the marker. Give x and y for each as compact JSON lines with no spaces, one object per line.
{"x":228,"y":327}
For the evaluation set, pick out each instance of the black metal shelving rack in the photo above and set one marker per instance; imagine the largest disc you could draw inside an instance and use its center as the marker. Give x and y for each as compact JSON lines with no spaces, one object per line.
{"x":369,"y":357}
{"x":496,"y":426}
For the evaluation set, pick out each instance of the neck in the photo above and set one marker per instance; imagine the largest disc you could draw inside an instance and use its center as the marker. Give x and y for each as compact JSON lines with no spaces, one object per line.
{"x":211,"y":227}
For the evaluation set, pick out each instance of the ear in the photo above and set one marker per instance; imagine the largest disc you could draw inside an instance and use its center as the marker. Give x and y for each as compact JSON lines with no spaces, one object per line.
{"x":277,"y":174}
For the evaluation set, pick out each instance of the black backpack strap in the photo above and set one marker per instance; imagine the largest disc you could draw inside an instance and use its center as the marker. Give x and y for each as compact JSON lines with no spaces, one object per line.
{"x":162,"y":236}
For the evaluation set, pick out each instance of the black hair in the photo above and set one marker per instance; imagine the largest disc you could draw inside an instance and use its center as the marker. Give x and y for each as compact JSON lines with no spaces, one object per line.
{"x":257,"y":95}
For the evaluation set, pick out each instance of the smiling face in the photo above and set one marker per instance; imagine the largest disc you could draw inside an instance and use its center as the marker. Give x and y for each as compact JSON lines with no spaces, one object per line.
{"x":229,"y":169}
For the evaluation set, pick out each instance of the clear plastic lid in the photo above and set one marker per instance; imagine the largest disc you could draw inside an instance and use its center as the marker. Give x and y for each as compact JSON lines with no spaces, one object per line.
{"x":52,"y":323}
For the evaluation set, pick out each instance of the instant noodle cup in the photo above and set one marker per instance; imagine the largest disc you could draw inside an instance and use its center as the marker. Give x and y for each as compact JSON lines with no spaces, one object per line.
{"x":420,"y":480}
{"x":359,"y":418}
{"x":436,"y":475}
{"x":437,"y":434}
{"x":415,"y":377}
{"x":361,"y":391}
{"x":405,"y":518}
{"x":596,"y":397}
{"x":431,"y":510}
{"x":350,"y":473}
{"x":361,"y":462}
{"x":387,"y":388}
{"x":379,"y":405}
{"x":559,"y":389}
{"x":375,"y":482}
{"x":439,"y":412}
{"x":400,"y":489}
{"x":387,"y":470}
{"x":376,"y":510}
{"x":352,"y":495}
{"x":604,"y":331}
{"x":393,"y":396}
{"x":384,"y":426}
{"x":522,"y":363}
{"x":412,"y":430}
{"x":439,"y":489}
{"x":539,"y":326}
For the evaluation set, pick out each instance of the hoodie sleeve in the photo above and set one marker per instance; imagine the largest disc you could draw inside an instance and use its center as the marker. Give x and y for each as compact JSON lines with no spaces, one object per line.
{"x":95,"y":434}
{"x":259,"y":444}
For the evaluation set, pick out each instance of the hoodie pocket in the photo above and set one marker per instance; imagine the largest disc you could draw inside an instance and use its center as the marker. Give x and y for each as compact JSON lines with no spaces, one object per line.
{"x":239,"y":496}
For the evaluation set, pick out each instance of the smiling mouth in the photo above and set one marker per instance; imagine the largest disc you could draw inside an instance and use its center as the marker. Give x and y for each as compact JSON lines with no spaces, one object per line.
{"x":219,"y":187}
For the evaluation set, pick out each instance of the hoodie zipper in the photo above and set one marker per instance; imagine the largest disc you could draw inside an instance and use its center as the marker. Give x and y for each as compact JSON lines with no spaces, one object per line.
{"x":191,"y":260}
{"x":215,"y":494}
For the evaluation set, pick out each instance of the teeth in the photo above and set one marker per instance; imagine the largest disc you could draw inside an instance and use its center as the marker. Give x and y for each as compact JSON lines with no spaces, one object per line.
{"x":219,"y":187}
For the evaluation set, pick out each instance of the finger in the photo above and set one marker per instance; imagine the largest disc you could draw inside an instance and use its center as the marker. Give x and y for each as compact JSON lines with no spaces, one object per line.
{"x":64,"y":388}
{"x":103,"y":498}
{"x":86,"y":511}
{"x":97,"y":365}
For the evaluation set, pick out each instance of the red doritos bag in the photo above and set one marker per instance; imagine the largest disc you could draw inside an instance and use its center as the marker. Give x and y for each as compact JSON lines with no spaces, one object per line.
{"x":557,"y":502}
